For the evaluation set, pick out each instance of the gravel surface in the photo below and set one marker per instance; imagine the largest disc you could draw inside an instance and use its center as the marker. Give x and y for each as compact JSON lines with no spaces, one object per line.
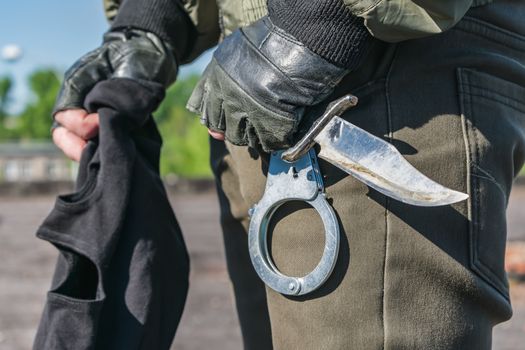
{"x":209,"y":321}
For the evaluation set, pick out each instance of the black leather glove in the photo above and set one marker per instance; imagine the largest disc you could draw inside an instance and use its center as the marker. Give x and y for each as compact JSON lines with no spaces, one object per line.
{"x":127,"y":53}
{"x":258,"y":84}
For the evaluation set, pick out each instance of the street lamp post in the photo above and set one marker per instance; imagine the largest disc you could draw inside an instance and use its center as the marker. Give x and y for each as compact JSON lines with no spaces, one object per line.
{"x":11,"y":53}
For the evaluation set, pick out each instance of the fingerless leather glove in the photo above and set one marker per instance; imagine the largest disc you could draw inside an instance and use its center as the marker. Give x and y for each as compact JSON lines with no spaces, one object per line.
{"x":258,"y":84}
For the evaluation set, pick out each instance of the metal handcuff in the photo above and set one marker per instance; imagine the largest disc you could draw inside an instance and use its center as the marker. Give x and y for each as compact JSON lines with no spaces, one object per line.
{"x":294,"y":175}
{"x":297,"y":181}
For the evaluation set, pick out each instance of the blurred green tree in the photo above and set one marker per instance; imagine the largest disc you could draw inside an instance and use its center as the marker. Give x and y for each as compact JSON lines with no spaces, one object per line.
{"x":7,"y":122}
{"x":185,"y":149}
{"x":6,"y":83}
{"x":35,"y":120}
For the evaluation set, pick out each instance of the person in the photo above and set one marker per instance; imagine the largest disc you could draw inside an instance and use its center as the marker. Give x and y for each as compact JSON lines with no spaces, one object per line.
{"x":442,"y":81}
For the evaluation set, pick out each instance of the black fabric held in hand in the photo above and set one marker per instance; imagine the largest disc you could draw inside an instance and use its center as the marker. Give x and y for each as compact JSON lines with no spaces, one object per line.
{"x":122,"y":276}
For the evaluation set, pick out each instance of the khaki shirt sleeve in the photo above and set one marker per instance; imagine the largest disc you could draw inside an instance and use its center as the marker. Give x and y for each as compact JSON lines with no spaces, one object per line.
{"x":398,"y":20}
{"x":111,"y":8}
{"x":204,"y":15}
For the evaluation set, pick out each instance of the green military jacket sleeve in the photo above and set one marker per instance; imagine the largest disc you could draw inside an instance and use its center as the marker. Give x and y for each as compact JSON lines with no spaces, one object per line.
{"x":387,"y":20}
{"x":204,"y":14}
{"x":398,"y":20}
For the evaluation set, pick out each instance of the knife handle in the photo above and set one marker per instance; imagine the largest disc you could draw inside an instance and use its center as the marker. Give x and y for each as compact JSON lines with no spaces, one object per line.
{"x":335,"y":108}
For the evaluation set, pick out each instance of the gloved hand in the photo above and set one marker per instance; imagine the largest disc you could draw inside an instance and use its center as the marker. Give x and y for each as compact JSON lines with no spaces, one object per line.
{"x":258,"y":84}
{"x":128,"y":53}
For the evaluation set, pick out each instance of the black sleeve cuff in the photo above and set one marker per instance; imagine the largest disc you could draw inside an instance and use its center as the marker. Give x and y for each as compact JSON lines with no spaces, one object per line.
{"x":327,"y":27}
{"x":165,"y":18}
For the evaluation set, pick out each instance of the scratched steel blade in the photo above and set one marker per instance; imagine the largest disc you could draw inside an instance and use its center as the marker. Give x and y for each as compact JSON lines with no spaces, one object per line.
{"x":380,"y":165}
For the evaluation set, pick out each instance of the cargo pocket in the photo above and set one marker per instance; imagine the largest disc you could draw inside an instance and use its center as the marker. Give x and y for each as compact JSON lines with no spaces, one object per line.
{"x":493,"y":115}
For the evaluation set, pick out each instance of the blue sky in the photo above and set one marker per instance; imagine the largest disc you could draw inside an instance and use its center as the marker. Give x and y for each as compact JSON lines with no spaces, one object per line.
{"x":53,"y":33}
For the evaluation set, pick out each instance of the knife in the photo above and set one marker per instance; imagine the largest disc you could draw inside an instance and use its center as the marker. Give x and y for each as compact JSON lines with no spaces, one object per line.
{"x":370,"y":159}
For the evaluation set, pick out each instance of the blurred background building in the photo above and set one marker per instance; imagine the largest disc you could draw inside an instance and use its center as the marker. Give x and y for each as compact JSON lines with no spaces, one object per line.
{"x":34,"y":162}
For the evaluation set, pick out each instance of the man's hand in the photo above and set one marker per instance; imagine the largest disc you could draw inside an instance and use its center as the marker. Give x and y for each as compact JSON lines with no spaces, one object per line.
{"x":130,"y":53}
{"x":76,"y":128}
{"x":258,"y":84}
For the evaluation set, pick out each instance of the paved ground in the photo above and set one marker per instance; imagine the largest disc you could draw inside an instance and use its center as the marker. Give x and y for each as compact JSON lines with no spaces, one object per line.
{"x":209,"y":321}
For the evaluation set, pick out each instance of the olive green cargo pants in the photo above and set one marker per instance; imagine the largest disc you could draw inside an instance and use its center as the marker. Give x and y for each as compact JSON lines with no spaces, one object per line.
{"x":406,"y":277}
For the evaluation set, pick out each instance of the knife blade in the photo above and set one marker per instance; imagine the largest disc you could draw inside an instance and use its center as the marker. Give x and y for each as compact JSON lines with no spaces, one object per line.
{"x":370,"y":159}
